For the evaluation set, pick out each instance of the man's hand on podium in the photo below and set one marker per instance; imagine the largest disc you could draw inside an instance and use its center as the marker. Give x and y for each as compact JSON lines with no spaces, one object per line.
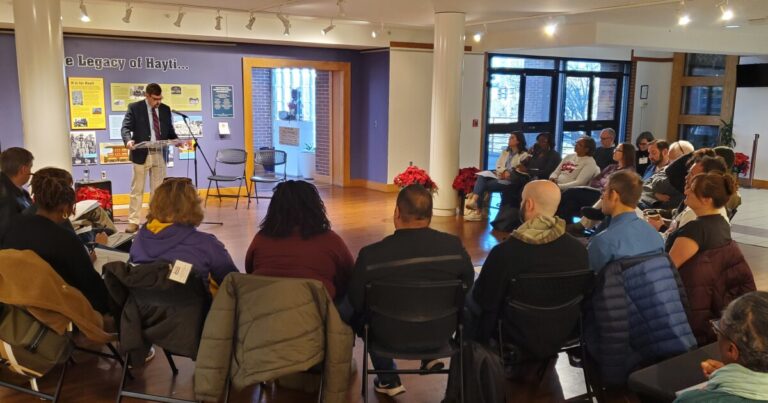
{"x":129,"y":144}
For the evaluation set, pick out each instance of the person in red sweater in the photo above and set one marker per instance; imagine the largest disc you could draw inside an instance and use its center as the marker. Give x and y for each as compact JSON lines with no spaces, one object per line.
{"x":296,"y":240}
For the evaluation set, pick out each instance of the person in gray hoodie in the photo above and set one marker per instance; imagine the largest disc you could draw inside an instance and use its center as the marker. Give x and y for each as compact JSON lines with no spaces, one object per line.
{"x":171,"y":234}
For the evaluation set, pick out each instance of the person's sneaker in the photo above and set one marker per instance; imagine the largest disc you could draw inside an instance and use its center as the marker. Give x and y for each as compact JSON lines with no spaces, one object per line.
{"x":470,"y":203}
{"x":150,"y":355}
{"x":392,"y":390}
{"x":474,"y":215}
{"x":131,"y":228}
{"x":434,"y":365}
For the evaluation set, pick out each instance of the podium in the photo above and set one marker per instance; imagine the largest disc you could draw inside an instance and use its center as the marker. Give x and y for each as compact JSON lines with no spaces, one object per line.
{"x":156,"y":145}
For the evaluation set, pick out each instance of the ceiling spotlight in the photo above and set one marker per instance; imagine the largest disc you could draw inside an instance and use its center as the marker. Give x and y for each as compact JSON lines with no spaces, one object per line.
{"x":477,"y":37}
{"x":683,"y":18}
{"x":218,"y":20}
{"x":179,"y":17}
{"x":84,"y":13}
{"x":340,"y":4}
{"x":375,"y":33}
{"x":286,"y":23}
{"x":551,"y":28}
{"x":726,"y":10}
{"x":128,"y":12}
{"x":251,"y":20}
{"x":329,"y":28}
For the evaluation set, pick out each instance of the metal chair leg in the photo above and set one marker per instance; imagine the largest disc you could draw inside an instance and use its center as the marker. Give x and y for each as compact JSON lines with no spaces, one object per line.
{"x":207,"y":192}
{"x":171,"y":363}
{"x":461,"y":364}
{"x":218,"y":192}
{"x":239,"y":188}
{"x":122,"y":380}
{"x":365,"y":364}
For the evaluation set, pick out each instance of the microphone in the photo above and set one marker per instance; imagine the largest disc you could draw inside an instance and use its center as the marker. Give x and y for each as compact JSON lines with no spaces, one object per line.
{"x":180,"y":114}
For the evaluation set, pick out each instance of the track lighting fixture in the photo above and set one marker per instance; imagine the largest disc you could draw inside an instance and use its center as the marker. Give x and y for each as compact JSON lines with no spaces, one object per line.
{"x":478,"y":36}
{"x":551,"y":28}
{"x":251,"y":20}
{"x":340,"y":5}
{"x":329,"y":28}
{"x":726,"y":11}
{"x":375,"y":33}
{"x":683,"y":18}
{"x":218,"y":20}
{"x":84,"y":13}
{"x":179,"y":17}
{"x":286,"y":23}
{"x":128,"y":12}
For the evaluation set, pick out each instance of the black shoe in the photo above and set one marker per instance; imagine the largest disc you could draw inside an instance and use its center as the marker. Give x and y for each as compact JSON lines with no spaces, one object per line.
{"x":390,"y":390}
{"x":592,"y":213}
{"x":434,"y":365}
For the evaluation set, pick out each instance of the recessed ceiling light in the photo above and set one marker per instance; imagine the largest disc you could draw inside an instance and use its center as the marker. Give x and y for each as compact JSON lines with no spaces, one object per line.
{"x":477,"y":37}
{"x":684,"y":20}
{"x":732,"y":26}
{"x":84,"y":13}
{"x":550,"y":29}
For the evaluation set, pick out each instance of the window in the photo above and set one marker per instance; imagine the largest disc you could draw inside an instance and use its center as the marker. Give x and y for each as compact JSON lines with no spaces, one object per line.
{"x":700,"y":135}
{"x":293,"y":91}
{"x":703,"y":65}
{"x":702,"y":100}
{"x":504,"y":98}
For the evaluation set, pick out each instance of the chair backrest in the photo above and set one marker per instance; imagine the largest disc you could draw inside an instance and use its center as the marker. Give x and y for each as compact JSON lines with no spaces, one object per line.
{"x":414,"y":317}
{"x":269,"y":157}
{"x":231,"y":156}
{"x":541,"y":310}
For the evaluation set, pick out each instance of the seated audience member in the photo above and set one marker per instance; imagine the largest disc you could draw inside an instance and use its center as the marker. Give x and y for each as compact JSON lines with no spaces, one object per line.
{"x":658,"y":154}
{"x":414,"y":253}
{"x":296,"y":240}
{"x":658,"y":191}
{"x":171,"y":233}
{"x":742,"y":340}
{"x":506,"y":165}
{"x":581,"y":196}
{"x":708,"y":192}
{"x":15,"y":172}
{"x":683,"y":214}
{"x":540,"y":245}
{"x":729,"y":157}
{"x":678,"y":149}
{"x":579,"y":168}
{"x":44,"y":234}
{"x":604,"y":154}
{"x":627,"y":234}
{"x":544,"y":158}
{"x":641,"y":143}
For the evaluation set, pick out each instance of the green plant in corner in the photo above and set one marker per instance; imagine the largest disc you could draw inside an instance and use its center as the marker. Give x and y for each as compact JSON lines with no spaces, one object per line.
{"x":309,"y":148}
{"x":726,"y":134}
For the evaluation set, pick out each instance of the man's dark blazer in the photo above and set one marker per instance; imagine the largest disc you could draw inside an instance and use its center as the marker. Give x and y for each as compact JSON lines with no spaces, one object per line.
{"x":136,"y":127}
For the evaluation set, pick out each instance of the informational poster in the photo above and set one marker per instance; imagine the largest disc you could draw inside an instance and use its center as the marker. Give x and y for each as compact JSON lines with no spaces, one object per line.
{"x":186,"y":150}
{"x":181,"y":97}
{"x":222,"y":101}
{"x":113,"y":153}
{"x":195,"y":123}
{"x":115,"y":124}
{"x":289,"y":136}
{"x":86,"y":103}
{"x":82,"y":146}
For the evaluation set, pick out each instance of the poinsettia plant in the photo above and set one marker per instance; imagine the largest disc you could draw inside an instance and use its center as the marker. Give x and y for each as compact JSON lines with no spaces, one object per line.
{"x":465,"y":180}
{"x":414,"y":174}
{"x":740,"y":164}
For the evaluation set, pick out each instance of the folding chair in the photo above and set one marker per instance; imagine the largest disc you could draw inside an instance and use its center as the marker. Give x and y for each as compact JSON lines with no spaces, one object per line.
{"x":270,"y":161}
{"x":541,"y":317}
{"x":228,"y":156}
{"x":414,"y":322}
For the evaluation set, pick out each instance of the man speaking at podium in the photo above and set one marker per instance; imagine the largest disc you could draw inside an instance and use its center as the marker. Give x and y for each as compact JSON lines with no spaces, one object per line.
{"x":146,"y":120}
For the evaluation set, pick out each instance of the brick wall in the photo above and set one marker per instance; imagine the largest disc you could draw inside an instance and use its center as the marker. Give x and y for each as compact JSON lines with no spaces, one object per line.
{"x":323,"y":122}
{"x":262,"y":108}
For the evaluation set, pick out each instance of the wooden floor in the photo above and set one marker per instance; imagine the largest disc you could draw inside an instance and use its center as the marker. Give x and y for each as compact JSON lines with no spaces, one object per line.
{"x":360,"y":217}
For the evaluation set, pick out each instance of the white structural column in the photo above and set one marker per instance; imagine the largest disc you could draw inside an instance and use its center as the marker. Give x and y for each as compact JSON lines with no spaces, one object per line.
{"x":446,"y":108}
{"x":40,"y":59}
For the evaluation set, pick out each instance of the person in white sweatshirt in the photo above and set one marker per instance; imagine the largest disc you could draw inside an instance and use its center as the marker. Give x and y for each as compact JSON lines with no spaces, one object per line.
{"x":579,"y":168}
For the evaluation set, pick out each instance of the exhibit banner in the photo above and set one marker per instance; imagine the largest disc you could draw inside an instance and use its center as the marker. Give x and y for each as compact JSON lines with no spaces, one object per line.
{"x":195,"y":123}
{"x":186,"y":150}
{"x":222,"y":101}
{"x":113,"y":153}
{"x":115,"y":125}
{"x":82,"y":146}
{"x":288,"y":136}
{"x":86,"y":103}
{"x":181,"y":97}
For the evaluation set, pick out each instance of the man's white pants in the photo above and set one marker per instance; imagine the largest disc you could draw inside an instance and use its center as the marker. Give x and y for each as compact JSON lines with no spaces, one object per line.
{"x":155,"y":165}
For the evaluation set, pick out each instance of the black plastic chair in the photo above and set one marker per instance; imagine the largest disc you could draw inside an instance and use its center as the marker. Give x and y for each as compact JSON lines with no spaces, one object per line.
{"x":541,"y":317}
{"x":414,"y":321}
{"x":228,"y":156}
{"x":270,"y":161}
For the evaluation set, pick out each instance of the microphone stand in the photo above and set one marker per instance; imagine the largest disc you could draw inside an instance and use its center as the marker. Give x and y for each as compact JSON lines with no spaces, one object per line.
{"x":196,"y":146}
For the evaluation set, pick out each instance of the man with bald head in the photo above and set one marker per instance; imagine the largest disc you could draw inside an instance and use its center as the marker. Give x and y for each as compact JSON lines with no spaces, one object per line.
{"x":415,"y":253}
{"x":539,"y":245}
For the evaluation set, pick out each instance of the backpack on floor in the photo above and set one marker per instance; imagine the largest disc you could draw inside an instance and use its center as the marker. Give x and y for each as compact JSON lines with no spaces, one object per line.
{"x":484,"y":380}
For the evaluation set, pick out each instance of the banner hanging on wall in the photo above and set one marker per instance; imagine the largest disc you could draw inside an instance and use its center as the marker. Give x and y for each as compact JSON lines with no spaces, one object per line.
{"x":222,"y":101}
{"x":113,"y":153}
{"x":288,"y":136}
{"x":195,"y":123}
{"x":181,"y":97}
{"x":86,"y":103}
{"x":82,"y":146}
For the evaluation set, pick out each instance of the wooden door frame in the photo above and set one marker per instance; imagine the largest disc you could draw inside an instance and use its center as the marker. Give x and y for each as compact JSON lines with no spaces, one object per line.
{"x":341,"y":74}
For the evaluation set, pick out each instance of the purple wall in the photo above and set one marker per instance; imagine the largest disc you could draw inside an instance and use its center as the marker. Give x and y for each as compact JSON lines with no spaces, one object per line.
{"x":11,"y":134}
{"x":210,"y":64}
{"x":374,"y":110}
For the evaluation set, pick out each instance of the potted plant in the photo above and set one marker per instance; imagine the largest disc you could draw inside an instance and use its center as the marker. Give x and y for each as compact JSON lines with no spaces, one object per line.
{"x":740,"y":164}
{"x":307,"y":162}
{"x":726,"y":134}
{"x":414,"y":174}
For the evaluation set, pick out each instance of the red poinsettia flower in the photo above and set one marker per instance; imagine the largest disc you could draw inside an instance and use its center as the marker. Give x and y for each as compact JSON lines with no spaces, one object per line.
{"x":740,"y":164}
{"x":413,"y":175}
{"x":465,"y":180}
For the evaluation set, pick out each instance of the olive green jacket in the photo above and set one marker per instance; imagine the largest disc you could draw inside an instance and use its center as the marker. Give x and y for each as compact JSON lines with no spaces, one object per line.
{"x":260,"y":328}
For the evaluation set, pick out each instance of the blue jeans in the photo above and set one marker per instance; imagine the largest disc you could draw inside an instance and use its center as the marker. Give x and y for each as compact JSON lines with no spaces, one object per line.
{"x":384,"y":363}
{"x":484,"y":185}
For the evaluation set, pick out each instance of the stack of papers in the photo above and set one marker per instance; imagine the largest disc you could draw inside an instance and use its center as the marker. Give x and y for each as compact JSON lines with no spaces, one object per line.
{"x":104,"y":256}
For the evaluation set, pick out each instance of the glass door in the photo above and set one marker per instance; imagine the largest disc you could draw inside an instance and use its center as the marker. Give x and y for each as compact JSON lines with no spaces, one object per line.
{"x":591,"y":103}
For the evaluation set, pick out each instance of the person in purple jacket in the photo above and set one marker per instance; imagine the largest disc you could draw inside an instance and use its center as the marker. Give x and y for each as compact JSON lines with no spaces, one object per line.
{"x":171,"y":234}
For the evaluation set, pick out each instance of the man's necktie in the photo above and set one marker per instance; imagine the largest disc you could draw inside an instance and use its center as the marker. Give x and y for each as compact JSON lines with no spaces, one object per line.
{"x":156,"y":124}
